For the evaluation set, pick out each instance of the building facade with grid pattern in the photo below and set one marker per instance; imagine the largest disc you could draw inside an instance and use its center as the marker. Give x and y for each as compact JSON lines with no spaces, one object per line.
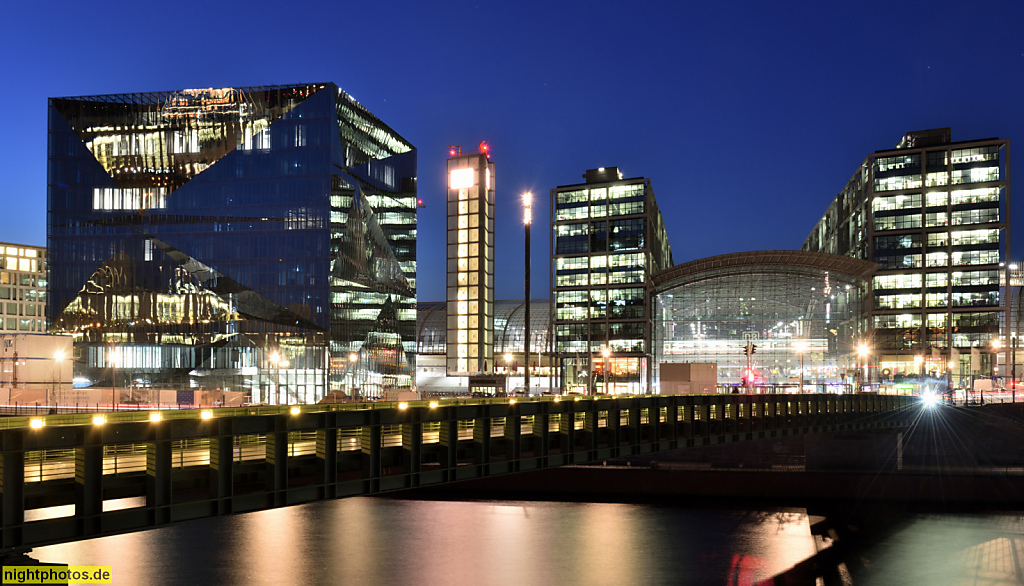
{"x":935,"y":215}
{"x":608,"y":238}
{"x":22,"y":288}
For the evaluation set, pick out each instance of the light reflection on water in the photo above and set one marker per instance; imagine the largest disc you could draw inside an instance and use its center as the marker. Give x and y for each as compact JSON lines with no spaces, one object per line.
{"x":384,"y":541}
{"x":394,"y":541}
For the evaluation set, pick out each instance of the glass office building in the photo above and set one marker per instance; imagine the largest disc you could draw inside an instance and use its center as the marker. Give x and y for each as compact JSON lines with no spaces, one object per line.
{"x":258,"y":239}
{"x":608,"y":237}
{"x":935,"y":215}
{"x":801,"y":310}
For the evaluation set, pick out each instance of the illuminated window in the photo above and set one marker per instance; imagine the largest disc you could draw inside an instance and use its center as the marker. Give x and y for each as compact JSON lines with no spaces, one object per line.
{"x":461,"y":178}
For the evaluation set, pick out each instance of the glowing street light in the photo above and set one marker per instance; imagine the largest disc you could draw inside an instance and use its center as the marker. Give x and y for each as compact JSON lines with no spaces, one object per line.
{"x":279,"y":362}
{"x":801,"y":347}
{"x":863,"y":350}
{"x":606,"y":352}
{"x":527,"y":221}
{"x":352,"y":359}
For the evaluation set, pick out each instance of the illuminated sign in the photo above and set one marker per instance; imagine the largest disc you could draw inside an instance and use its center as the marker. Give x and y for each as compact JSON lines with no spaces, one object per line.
{"x":461,"y":178}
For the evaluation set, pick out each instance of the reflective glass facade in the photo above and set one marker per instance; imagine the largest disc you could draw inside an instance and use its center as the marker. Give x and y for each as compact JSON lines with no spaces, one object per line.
{"x":935,"y":215}
{"x":801,"y":310}
{"x":608,"y":237}
{"x":250,"y":239}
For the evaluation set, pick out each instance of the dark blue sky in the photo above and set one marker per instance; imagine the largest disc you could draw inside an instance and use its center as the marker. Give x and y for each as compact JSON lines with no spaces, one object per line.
{"x":747,"y":116}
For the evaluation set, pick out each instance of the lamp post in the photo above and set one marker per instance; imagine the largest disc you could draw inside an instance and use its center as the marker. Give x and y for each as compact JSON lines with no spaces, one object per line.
{"x":919,"y":361}
{"x":58,"y":358}
{"x":800,"y":348}
{"x":352,"y":359}
{"x":863,"y":351}
{"x":508,"y":369}
{"x":115,"y":357}
{"x":279,"y":362}
{"x":606,"y":352}
{"x":527,"y":221}
{"x":996,"y":345}
{"x":1013,"y":367}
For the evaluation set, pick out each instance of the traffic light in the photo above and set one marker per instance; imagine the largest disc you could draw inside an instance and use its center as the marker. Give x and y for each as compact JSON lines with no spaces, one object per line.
{"x":753,"y":348}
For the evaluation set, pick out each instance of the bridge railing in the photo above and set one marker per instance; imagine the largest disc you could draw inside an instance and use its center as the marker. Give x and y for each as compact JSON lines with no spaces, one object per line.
{"x":189,"y":464}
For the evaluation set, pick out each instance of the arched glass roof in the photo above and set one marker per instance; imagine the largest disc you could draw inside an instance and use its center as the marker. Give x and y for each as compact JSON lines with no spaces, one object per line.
{"x":509,"y":326}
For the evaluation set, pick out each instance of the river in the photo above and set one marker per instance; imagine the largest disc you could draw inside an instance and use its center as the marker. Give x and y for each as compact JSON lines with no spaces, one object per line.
{"x":397,"y":541}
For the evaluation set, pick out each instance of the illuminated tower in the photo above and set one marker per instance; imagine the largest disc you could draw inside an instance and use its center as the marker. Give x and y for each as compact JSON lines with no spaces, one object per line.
{"x":470,"y":291}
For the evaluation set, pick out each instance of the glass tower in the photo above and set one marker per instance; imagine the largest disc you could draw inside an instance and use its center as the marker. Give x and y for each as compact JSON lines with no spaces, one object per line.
{"x":935,"y":215}
{"x":257,"y":239}
{"x":608,"y":238}
{"x":470,"y":272}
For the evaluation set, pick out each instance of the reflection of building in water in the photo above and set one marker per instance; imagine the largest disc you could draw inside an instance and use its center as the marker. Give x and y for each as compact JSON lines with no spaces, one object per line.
{"x":199,"y":233}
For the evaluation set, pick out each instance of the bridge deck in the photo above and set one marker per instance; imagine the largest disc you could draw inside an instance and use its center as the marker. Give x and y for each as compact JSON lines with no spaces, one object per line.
{"x":189,"y":464}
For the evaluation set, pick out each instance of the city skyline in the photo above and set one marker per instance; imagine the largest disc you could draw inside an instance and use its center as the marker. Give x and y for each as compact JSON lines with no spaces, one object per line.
{"x":705,"y":101}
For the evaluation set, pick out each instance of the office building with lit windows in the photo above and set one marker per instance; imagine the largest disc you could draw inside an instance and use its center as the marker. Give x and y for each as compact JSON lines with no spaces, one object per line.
{"x":22,"y":288}
{"x":608,"y":238}
{"x":470,"y":266}
{"x":258,"y":239}
{"x":935,"y":215}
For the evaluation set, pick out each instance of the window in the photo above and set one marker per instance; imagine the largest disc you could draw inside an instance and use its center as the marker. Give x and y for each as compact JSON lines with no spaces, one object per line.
{"x":936,"y":259}
{"x":898,"y":261}
{"x":975,"y":257}
{"x":987,"y":194}
{"x":989,"y":236}
{"x":936,"y":199}
{"x":970,"y":278}
{"x":897,"y":282}
{"x":902,"y":301}
{"x":981,"y":216}
{"x":975,"y":299}
{"x":896,"y":202}
{"x":905,"y":241}
{"x":903,"y":320}
{"x":897,"y":222}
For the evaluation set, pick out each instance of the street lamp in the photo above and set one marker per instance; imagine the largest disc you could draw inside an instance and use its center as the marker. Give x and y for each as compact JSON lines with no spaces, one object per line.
{"x":279,"y":362}
{"x":606,"y":352}
{"x":58,"y":358}
{"x":863,"y":350}
{"x":115,"y":357}
{"x":353,"y":357}
{"x":527,"y":221}
{"x":508,"y":369}
{"x":801,"y":348}
{"x":919,"y":361}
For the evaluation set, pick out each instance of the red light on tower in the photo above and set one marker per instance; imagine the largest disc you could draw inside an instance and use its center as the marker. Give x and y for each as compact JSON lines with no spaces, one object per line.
{"x":454,"y":151}
{"x":485,"y":148}
{"x":420,"y":204}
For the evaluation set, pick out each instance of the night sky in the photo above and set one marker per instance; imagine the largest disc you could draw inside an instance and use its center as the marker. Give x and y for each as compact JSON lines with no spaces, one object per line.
{"x":748,"y":117}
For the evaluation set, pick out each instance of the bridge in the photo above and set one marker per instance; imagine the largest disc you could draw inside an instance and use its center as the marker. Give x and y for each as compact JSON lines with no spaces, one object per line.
{"x":71,"y":477}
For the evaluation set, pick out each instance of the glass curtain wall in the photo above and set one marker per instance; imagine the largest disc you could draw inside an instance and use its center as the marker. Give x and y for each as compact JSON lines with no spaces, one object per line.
{"x":257,"y":241}
{"x":793,"y":315}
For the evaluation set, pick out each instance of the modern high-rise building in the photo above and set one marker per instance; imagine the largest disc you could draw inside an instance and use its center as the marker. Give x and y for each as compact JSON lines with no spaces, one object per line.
{"x":258,"y":239}
{"x":608,"y":238}
{"x":470,"y":272}
{"x":935,"y":214}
